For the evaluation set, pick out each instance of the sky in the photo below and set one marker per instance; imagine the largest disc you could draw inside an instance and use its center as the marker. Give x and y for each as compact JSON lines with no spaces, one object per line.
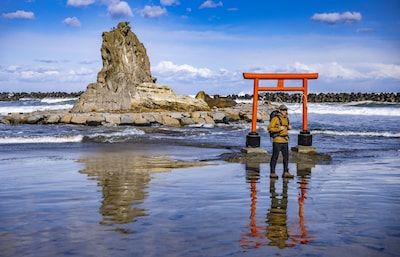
{"x":205,"y":45}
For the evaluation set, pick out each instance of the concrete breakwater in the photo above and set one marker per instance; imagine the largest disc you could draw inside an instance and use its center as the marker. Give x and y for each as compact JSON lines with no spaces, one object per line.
{"x":11,"y":96}
{"x":324,"y":97}
{"x":241,"y":113}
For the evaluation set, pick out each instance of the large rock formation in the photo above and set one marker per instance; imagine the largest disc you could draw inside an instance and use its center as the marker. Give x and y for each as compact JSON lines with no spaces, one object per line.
{"x":125,"y":84}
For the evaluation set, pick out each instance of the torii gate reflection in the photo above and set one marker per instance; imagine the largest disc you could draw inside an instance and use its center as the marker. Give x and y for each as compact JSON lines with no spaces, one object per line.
{"x":275,"y":227}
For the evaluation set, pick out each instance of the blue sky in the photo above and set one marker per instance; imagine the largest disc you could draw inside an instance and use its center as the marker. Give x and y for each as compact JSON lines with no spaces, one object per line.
{"x":205,"y":45}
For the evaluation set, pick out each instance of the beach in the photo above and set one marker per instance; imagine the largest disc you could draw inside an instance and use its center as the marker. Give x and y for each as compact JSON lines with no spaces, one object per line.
{"x":96,"y":202}
{"x":131,"y":191}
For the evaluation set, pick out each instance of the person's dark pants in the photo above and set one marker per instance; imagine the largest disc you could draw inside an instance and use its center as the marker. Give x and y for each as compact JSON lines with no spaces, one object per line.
{"x":276,"y":149}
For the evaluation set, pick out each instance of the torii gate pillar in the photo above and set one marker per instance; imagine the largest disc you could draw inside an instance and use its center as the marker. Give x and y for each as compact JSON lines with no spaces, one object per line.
{"x":305,"y":137}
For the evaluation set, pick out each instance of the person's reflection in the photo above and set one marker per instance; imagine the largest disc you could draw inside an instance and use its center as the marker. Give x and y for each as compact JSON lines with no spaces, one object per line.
{"x":254,"y":234}
{"x":277,"y":231}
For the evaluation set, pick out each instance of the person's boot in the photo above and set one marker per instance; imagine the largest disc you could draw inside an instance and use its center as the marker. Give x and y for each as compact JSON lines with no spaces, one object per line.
{"x":273,"y":175}
{"x":286,"y":174}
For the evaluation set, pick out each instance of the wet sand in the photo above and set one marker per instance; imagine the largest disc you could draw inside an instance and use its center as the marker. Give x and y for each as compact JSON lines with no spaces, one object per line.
{"x":163,"y":200}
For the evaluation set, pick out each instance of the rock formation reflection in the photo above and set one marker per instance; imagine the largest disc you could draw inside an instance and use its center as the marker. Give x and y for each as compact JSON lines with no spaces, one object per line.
{"x":123,"y":178}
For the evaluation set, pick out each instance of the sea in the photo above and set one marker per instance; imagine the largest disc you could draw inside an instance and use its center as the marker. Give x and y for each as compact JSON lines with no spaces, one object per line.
{"x":343,"y":130}
{"x":73,"y":190}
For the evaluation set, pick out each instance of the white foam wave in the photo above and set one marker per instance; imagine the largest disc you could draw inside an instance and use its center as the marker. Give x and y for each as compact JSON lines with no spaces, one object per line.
{"x":355,"y":133}
{"x":57,"y":100}
{"x":369,"y":103}
{"x":26,"y":109}
{"x":41,"y":140}
{"x":245,"y":101}
{"x":201,"y":125}
{"x":343,"y":109}
{"x":117,"y":136}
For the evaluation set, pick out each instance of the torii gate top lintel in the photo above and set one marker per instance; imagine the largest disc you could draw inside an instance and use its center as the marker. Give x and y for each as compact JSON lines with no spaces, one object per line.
{"x":280,"y":77}
{"x":247,"y":75}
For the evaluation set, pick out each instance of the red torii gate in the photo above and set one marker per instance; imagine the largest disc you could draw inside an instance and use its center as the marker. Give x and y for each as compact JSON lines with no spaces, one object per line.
{"x":304,"y":138}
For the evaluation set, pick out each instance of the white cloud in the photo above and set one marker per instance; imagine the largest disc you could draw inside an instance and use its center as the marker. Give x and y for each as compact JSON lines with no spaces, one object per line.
{"x":11,"y":69}
{"x":88,"y":61}
{"x":37,"y":75}
{"x":210,"y":4}
{"x":82,"y":76}
{"x":332,"y":71}
{"x":225,"y":81}
{"x":334,"y":18}
{"x":19,"y":15}
{"x":81,"y":71}
{"x":23,"y":75}
{"x":153,"y":11}
{"x":115,"y":8}
{"x":188,"y":79}
{"x":78,"y":3}
{"x":169,"y":2}
{"x":375,"y":71}
{"x":182,"y":72}
{"x":119,"y":9}
{"x":72,"y":21}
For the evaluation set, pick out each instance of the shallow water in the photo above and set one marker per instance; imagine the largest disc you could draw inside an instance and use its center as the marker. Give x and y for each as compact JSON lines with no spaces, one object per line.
{"x":98,"y":202}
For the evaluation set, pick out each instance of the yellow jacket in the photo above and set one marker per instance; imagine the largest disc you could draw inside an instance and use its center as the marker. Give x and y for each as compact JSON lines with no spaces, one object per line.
{"x":274,"y":126}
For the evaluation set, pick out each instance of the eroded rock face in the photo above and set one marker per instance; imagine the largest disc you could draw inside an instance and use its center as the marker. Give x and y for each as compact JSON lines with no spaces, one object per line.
{"x":124,"y":58}
{"x":216,"y":101}
{"x":125,"y":84}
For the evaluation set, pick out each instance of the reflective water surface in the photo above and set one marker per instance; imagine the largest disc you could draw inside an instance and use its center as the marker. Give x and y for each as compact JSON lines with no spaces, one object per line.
{"x":138,"y":204}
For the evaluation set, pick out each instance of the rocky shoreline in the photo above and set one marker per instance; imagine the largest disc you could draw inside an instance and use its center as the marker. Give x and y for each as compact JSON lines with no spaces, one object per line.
{"x":240,"y":113}
{"x":273,"y":97}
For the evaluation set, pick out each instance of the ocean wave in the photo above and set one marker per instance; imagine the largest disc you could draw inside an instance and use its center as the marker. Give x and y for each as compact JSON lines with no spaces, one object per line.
{"x":201,"y":125}
{"x":114,"y":137}
{"x":348,"y":109}
{"x":369,"y":104}
{"x":41,"y":139}
{"x":355,"y":133}
{"x":31,"y":108}
{"x":58,"y":100}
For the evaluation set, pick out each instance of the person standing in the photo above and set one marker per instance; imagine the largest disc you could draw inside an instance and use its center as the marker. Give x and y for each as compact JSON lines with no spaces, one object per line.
{"x":279,"y":127}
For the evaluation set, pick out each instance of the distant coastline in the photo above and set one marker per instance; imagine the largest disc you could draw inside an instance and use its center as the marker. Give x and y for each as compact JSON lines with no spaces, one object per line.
{"x":273,"y":97}
{"x":324,"y":97}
